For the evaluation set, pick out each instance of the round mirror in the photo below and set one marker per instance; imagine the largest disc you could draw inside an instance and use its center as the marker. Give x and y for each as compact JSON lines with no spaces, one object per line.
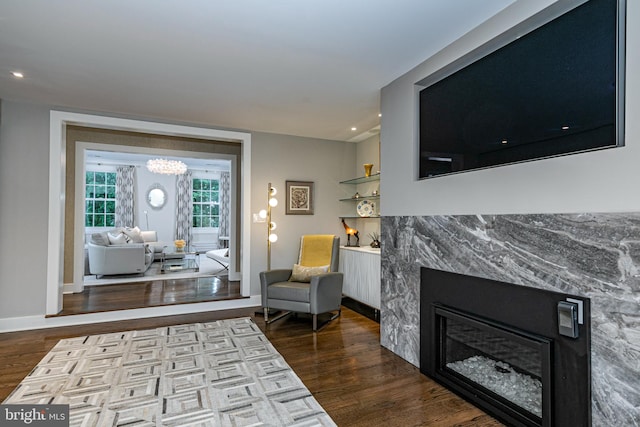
{"x":156,"y":196}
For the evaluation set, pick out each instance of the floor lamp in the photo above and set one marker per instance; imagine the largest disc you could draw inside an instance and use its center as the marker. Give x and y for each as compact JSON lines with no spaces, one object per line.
{"x":266,"y":214}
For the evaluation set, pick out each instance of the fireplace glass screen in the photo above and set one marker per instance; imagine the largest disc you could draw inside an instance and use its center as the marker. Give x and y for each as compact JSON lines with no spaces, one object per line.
{"x":510,"y":366}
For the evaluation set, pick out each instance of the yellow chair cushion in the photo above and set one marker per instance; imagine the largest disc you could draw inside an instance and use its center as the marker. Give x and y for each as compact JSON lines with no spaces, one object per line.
{"x":315,"y":250}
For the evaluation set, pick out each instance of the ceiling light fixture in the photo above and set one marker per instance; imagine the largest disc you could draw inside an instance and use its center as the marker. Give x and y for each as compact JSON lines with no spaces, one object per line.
{"x":166,"y":167}
{"x":354,"y":129}
{"x":17,"y":74}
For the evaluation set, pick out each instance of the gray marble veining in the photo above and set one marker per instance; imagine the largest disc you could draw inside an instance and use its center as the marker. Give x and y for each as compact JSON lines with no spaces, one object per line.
{"x":591,"y":255}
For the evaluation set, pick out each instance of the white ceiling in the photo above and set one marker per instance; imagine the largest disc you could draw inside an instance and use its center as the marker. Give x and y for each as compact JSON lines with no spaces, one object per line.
{"x":299,"y":67}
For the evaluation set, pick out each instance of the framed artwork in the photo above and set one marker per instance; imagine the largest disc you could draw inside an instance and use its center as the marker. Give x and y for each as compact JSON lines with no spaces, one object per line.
{"x":299,"y":198}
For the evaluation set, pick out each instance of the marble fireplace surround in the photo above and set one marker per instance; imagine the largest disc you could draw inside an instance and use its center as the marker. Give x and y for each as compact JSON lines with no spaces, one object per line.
{"x":592,"y":255}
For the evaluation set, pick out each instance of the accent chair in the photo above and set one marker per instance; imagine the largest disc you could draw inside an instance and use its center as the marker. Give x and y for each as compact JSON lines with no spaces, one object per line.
{"x":312,"y":286}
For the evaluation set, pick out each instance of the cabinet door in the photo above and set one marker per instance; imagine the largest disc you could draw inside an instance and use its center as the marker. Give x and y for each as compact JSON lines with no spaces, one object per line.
{"x":361,"y":271}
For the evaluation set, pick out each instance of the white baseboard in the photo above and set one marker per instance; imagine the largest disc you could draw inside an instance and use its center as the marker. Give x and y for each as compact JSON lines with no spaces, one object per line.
{"x":68,"y":288}
{"x":39,"y":322}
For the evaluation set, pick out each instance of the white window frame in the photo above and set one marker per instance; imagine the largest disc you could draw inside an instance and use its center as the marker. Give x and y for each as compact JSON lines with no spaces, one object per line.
{"x":95,"y":168}
{"x":206,"y":175}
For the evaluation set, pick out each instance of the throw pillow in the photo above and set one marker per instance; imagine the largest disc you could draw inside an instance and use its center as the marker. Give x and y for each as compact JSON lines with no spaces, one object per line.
{"x":133,"y":234}
{"x":117,"y":239}
{"x":101,"y":239}
{"x":300,"y":273}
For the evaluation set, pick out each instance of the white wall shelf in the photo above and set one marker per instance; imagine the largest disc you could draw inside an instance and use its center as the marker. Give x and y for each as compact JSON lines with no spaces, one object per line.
{"x":362,"y":179}
{"x":360,"y":217}
{"x":369,"y":195}
{"x":356,"y":199}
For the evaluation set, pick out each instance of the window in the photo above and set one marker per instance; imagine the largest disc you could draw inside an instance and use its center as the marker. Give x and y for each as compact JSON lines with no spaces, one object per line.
{"x":206,"y":211}
{"x":100,"y":199}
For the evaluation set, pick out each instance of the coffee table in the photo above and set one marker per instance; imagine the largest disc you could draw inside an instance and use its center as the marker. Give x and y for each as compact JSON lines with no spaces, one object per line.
{"x":174,"y":259}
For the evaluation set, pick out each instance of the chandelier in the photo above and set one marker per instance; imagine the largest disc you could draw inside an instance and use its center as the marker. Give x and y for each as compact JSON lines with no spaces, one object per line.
{"x":166,"y":167}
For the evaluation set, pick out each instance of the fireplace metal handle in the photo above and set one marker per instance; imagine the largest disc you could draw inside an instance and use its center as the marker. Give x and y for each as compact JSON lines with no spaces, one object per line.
{"x":568,"y":319}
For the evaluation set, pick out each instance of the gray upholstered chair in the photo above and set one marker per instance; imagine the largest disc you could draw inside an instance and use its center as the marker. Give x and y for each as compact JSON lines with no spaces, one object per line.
{"x":313,"y":285}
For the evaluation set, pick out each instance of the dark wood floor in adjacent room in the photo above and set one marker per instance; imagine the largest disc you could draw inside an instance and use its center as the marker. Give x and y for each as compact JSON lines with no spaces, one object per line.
{"x":358,"y":382}
{"x":151,"y":293}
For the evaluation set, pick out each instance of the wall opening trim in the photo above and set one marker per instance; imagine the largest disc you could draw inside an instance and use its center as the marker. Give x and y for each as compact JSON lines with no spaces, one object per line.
{"x":57,"y":175}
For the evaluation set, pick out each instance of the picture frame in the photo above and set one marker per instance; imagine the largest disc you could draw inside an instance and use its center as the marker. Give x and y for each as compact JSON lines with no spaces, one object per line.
{"x":299,"y":198}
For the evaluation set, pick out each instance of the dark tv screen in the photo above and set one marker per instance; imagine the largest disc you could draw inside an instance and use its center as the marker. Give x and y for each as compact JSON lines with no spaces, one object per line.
{"x":553,"y":91}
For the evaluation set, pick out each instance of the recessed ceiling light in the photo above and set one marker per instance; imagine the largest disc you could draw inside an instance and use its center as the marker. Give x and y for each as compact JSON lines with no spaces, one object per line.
{"x":17,"y":74}
{"x":504,"y":141}
{"x":354,"y":128}
{"x":565,"y":128}
{"x":379,"y":114}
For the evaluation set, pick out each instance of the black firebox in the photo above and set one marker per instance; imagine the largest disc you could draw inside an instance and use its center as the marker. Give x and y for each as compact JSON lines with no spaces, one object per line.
{"x":506,"y":348}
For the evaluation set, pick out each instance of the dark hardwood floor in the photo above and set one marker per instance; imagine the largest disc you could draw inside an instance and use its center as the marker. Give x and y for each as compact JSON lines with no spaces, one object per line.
{"x":150,"y":293}
{"x":358,"y":382}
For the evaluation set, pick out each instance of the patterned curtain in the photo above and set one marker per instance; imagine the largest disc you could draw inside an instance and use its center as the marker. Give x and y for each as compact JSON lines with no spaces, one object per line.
{"x":125,"y":195}
{"x":225,"y":204}
{"x":184,"y":217}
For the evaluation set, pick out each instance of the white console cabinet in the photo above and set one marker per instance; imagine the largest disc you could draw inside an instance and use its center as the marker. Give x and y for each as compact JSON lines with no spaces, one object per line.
{"x":361,"y":269}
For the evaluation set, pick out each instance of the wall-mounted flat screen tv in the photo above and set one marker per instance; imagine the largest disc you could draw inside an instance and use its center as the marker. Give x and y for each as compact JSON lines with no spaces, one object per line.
{"x":554,"y":91}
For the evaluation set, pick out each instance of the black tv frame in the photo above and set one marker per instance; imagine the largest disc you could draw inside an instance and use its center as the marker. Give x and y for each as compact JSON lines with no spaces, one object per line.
{"x":521,"y":30}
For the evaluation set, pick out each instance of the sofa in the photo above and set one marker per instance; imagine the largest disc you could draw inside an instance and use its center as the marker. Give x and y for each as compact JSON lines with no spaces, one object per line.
{"x":221,"y":256}
{"x":151,"y":238}
{"x":122,"y":251}
{"x":118,"y":259}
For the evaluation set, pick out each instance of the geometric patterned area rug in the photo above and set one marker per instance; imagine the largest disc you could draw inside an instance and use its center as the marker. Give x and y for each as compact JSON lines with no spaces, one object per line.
{"x":223,"y":373}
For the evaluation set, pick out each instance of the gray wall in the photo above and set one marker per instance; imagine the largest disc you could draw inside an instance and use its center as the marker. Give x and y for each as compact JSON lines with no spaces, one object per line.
{"x":24,"y":177}
{"x":163,"y":220}
{"x":600,"y":181}
{"x":278,"y":158}
{"x":24,"y":201}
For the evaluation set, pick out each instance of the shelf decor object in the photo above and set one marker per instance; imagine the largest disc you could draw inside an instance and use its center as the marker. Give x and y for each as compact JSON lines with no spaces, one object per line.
{"x":351,"y":232}
{"x":365,"y":208}
{"x":375,"y":240}
{"x":367,"y":169}
{"x":299,"y":198}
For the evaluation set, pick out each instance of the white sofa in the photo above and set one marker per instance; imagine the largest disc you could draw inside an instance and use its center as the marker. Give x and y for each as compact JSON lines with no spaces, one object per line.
{"x":221,"y":256}
{"x":151,"y":238}
{"x":122,"y":251}
{"x":129,"y":258}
